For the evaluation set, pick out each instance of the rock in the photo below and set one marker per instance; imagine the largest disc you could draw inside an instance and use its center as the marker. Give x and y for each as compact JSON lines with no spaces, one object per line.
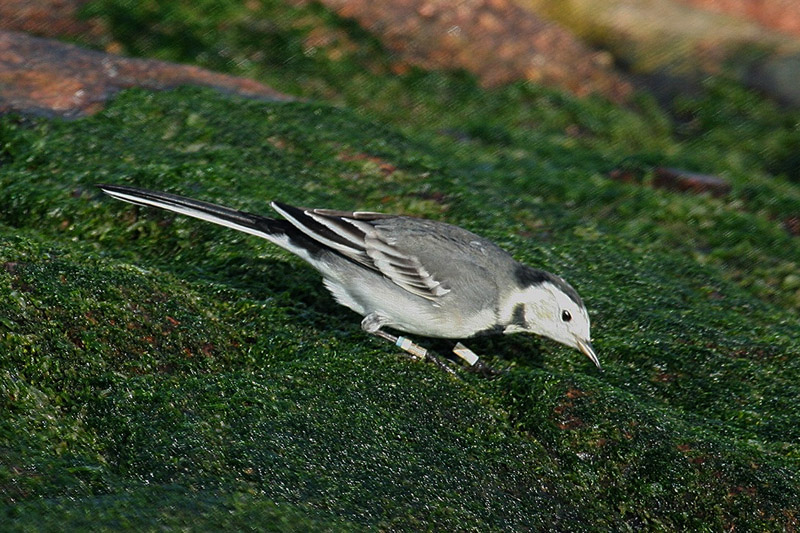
{"x":781,"y":15}
{"x":497,"y":40}
{"x":672,"y":45}
{"x":48,"y":18}
{"x":44,"y":76}
{"x":684,"y":181}
{"x":792,"y":225}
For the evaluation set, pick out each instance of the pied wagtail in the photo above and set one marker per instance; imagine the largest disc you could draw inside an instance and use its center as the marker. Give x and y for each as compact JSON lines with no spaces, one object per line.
{"x":409,"y":274}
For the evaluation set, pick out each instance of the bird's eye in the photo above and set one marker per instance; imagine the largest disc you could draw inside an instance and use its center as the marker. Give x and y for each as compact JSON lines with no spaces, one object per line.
{"x":566,"y":316}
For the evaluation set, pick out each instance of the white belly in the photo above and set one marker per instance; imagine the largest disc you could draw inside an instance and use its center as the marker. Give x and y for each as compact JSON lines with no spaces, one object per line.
{"x":407,"y":312}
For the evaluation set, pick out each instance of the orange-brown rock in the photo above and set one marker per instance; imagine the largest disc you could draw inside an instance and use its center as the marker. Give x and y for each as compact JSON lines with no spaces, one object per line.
{"x":48,"y":18}
{"x":49,"y":77}
{"x":497,"y":40}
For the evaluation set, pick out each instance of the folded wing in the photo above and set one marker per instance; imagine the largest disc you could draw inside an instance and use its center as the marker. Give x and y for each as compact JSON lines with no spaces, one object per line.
{"x":355,"y":235}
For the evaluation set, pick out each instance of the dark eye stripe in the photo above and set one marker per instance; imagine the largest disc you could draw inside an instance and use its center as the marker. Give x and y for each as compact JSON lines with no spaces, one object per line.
{"x":566,"y":316}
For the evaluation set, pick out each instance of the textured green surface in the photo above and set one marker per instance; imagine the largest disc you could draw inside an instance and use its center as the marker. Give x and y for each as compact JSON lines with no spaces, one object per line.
{"x":161,"y":373}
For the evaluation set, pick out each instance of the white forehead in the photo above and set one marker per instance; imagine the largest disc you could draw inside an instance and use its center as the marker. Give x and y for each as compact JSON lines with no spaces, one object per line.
{"x":565,"y":302}
{"x":548,"y":294}
{"x":563,"y":299}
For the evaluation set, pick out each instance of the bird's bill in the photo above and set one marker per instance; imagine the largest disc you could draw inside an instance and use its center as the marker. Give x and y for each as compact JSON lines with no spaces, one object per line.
{"x":586,"y":348}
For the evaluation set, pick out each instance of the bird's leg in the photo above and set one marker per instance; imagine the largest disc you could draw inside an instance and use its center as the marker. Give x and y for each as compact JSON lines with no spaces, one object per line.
{"x":372,"y":324}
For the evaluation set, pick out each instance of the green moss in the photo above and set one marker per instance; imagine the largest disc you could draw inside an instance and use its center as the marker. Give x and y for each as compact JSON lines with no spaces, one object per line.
{"x":141,"y":348}
{"x":172,"y":507}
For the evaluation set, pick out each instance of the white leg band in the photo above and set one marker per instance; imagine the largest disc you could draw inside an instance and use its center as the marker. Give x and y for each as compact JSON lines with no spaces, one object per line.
{"x":465,"y":353}
{"x":410,"y":347}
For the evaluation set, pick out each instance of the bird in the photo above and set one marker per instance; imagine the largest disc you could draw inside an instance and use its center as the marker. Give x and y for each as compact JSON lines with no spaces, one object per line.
{"x":407,"y":274}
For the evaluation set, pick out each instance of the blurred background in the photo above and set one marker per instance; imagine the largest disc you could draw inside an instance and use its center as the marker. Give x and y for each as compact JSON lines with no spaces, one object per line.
{"x":609,"y":48}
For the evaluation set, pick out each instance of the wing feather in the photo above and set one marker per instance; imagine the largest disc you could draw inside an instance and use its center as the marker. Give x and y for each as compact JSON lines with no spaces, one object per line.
{"x":355,"y":235}
{"x":331,"y":238}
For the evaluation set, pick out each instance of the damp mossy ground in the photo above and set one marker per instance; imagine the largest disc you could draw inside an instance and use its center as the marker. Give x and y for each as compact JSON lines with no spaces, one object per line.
{"x":155,"y":367}
{"x":161,"y":373}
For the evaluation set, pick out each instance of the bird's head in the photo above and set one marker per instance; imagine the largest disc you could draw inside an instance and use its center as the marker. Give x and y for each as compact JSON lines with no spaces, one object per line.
{"x":547,"y":305}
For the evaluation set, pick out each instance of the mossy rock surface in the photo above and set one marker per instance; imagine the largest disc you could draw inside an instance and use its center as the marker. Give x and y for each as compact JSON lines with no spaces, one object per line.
{"x":163,"y":364}
{"x":158,"y":372}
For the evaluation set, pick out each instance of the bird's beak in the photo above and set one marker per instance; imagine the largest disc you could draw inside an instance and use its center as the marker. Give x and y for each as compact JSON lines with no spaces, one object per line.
{"x":586,"y":348}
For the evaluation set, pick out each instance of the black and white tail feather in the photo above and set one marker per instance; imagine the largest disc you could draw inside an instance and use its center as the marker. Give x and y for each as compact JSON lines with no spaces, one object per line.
{"x":304,"y":232}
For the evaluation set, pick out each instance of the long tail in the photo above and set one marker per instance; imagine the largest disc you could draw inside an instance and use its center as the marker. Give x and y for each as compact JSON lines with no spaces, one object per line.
{"x":279,"y":232}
